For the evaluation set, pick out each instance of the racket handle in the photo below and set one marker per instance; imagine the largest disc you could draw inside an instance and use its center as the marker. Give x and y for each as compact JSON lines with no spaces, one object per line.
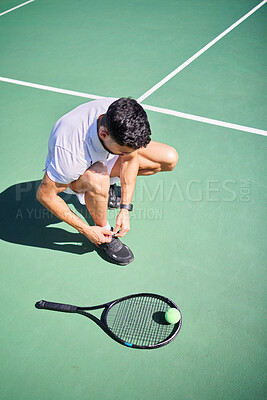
{"x":56,"y":306}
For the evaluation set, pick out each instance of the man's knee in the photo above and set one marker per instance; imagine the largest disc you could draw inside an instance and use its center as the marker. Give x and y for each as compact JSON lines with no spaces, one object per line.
{"x":98,"y":180}
{"x":95,"y":180}
{"x":98,"y":168}
{"x":171,"y":158}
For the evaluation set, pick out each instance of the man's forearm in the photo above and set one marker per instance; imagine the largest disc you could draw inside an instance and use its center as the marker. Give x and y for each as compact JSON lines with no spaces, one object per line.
{"x":57,"y":206}
{"x":128,"y":175}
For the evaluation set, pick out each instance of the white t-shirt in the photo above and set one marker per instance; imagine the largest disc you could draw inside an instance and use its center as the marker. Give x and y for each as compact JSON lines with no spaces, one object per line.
{"x":74,"y":144}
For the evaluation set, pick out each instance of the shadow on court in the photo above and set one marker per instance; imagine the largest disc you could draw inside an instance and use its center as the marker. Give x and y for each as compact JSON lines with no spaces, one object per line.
{"x":26,"y":222}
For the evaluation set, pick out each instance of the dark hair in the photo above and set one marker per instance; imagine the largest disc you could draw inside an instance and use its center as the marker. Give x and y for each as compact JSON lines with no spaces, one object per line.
{"x":127,"y":123}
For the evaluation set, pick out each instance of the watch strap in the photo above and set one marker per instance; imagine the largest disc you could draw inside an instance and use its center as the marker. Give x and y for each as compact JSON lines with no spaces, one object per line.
{"x":128,"y":207}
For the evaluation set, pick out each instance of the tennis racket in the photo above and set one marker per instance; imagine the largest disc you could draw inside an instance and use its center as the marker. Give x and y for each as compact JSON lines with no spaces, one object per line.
{"x":136,"y":321}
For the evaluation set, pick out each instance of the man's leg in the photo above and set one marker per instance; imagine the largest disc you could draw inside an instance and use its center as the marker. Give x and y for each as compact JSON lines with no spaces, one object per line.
{"x":156,"y":157}
{"x":95,"y":183}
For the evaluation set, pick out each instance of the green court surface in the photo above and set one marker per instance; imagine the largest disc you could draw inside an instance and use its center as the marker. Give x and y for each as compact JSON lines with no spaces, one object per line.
{"x":198,"y":233}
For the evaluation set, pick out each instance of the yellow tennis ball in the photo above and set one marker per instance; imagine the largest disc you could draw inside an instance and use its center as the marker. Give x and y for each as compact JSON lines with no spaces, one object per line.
{"x":172,"y":316}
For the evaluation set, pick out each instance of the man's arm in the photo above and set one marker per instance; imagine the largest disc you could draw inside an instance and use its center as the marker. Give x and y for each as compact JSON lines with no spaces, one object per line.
{"x":128,"y":175}
{"x":47,"y":194}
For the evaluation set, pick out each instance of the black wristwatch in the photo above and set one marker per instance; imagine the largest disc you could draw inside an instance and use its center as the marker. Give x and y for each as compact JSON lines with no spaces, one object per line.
{"x":128,"y":207}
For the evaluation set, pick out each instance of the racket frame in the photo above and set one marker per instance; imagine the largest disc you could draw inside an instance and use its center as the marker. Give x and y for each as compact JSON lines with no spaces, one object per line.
{"x":102,"y":322}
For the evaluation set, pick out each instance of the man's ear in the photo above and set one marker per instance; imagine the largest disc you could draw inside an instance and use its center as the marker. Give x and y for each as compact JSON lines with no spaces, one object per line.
{"x":103,"y":133}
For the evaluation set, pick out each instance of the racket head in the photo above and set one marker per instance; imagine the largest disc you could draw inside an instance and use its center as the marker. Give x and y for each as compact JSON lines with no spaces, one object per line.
{"x":138,"y":320}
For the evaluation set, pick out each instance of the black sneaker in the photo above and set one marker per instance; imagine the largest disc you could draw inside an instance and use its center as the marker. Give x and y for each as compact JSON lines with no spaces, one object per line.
{"x":117,"y":252}
{"x":114,"y":199}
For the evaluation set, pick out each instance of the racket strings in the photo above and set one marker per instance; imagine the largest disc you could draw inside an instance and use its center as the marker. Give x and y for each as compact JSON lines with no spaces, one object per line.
{"x":146,"y":322}
{"x":140,"y":320}
{"x":147,"y":331}
{"x":158,"y":333}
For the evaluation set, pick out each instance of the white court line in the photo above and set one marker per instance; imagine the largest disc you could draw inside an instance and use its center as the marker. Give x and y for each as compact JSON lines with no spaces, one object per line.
{"x":199,"y":53}
{"x":205,"y":120}
{"x":14,"y":8}
{"x":50,"y":88}
{"x":146,"y":107}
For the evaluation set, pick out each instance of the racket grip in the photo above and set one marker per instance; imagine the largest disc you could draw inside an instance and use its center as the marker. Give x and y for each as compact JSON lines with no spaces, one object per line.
{"x":55,"y":306}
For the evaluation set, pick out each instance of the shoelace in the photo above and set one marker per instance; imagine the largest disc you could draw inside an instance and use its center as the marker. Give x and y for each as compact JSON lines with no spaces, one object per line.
{"x":115,"y":244}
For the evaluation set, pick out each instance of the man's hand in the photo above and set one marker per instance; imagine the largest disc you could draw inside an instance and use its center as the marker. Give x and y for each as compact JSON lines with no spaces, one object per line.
{"x":122,"y":223}
{"x":98,"y":235}
{"x":47,"y":194}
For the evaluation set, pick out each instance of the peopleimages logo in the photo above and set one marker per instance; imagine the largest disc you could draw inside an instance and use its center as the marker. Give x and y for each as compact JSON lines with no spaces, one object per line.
{"x":194,"y":190}
{"x":149,"y":198}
